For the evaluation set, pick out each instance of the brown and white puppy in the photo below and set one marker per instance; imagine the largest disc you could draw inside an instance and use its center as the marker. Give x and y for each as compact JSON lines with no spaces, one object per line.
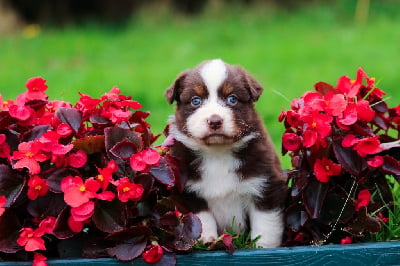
{"x":231,"y":166}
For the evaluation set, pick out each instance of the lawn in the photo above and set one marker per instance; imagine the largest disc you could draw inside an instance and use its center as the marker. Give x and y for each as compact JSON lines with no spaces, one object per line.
{"x":287,"y":51}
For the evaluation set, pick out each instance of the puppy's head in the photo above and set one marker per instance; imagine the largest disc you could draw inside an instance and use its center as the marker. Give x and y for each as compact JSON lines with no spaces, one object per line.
{"x":215,"y":103}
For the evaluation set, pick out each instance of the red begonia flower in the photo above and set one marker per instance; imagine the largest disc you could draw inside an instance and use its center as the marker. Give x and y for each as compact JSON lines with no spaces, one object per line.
{"x":47,"y":224}
{"x":50,"y":143}
{"x":346,"y":86}
{"x":291,"y":141}
{"x":316,"y":123}
{"x":39,"y":260}
{"x":137,"y":163}
{"x":349,"y":116}
{"x":132,"y":104}
{"x":37,"y":187}
{"x":83,"y":212}
{"x":76,"y":192}
{"x":31,"y":239}
{"x":5,"y":105}
{"x":77,"y":159}
{"x":128,"y":191}
{"x":153,"y":254}
{"x":366,"y":146}
{"x":106,"y":195}
{"x":3,"y":201}
{"x":346,"y":240}
{"x":375,"y":161}
{"x":64,"y":130}
{"x":28,"y":155}
{"x":364,"y":111}
{"x":36,"y":87}
{"x":5,"y":149}
{"x":151,"y":157}
{"x":349,"y":140}
{"x":335,"y":104}
{"x":20,"y":112}
{"x":363,"y":199}
{"x":382,"y":219}
{"x":75,"y":226}
{"x":325,"y":168}
{"x":119,"y":116}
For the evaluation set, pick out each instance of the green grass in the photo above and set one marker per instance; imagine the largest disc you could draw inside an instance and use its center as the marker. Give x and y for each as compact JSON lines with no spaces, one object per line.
{"x":286,"y":51}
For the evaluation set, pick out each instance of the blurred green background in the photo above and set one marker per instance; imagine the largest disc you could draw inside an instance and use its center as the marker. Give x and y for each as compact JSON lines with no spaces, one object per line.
{"x":287,"y":45}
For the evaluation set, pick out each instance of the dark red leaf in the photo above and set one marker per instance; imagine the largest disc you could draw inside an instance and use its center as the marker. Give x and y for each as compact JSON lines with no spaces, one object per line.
{"x":61,"y":228}
{"x":90,"y":144}
{"x":348,"y":158}
{"x":113,"y":135}
{"x":296,"y":217}
{"x":132,"y":232}
{"x":380,"y":106}
{"x":391,"y":165}
{"x":124,"y":149}
{"x":313,"y":197}
{"x":363,"y":223}
{"x":96,"y":248}
{"x":99,"y":119}
{"x":323,"y":87}
{"x":129,"y":250}
{"x":169,"y":219}
{"x":9,"y":232}
{"x":163,"y":173}
{"x":55,"y":178}
{"x":73,"y":117}
{"x":363,"y":129}
{"x":331,"y":211}
{"x":382,"y":122}
{"x":49,"y":205}
{"x":180,"y":176}
{"x":187,"y":232}
{"x":109,"y":216}
{"x":147,"y":182}
{"x":36,"y":132}
{"x":11,"y":184}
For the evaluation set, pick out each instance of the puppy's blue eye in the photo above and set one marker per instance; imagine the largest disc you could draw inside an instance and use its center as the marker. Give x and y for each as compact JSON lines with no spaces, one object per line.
{"x":232,"y":100}
{"x":196,"y":101}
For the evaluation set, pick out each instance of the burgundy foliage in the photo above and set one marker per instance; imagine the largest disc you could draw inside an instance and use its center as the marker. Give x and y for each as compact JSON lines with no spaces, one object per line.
{"x":343,"y":141}
{"x":86,"y":174}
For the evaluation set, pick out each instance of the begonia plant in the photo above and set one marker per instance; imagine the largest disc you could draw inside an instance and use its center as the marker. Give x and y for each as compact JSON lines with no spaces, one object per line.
{"x":343,"y":142}
{"x":87,"y":176}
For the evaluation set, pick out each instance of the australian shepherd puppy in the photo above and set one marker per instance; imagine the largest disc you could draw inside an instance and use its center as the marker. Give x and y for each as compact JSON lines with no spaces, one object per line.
{"x":232,"y":168}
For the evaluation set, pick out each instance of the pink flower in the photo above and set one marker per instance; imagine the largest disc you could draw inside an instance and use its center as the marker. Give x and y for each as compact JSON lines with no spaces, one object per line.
{"x":28,"y":156}
{"x":5,"y":149}
{"x":76,"y":192}
{"x":36,"y":87}
{"x":318,"y":126}
{"x":21,"y":112}
{"x":144,"y":160}
{"x":128,"y":191}
{"x":363,"y":199}
{"x":364,"y":111}
{"x":366,"y":146}
{"x":3,"y":201}
{"x":346,"y":240}
{"x":325,"y":168}
{"x":37,"y":187}
{"x":47,"y":224}
{"x":375,"y":161}
{"x":83,"y":212}
{"x":78,"y":159}
{"x":75,"y":226}
{"x":291,"y":141}
{"x":39,"y":260}
{"x":349,"y":140}
{"x":153,"y":254}
{"x":31,"y":239}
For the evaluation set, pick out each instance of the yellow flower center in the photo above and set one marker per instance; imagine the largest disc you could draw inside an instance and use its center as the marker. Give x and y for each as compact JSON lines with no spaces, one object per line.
{"x":82,"y":188}
{"x":126,"y":189}
{"x":327,"y":168}
{"x":314,"y":125}
{"x":38,"y":187}
{"x":100,"y":178}
{"x":5,"y":103}
{"x":34,"y":89}
{"x":29,"y":154}
{"x":30,"y":235}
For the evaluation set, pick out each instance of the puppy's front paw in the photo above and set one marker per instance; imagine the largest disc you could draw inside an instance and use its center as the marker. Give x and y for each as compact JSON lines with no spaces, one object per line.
{"x":209,"y":227}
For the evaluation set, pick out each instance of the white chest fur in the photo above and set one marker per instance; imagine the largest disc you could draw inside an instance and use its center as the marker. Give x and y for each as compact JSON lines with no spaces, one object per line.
{"x":224,"y":190}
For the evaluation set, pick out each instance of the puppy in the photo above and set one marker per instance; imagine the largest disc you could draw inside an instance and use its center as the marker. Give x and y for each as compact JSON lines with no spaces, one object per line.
{"x":231,"y":166}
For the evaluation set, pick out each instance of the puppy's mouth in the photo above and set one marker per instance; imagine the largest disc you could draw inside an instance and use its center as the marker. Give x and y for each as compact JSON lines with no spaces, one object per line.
{"x":218,"y":139}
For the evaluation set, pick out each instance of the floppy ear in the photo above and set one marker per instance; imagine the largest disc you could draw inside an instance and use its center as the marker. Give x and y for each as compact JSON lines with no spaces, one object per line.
{"x":172,"y":93}
{"x":253,"y":86}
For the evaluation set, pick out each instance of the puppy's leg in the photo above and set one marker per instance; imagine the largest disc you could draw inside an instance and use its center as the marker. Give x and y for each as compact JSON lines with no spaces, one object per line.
{"x":209,"y":227}
{"x":268,"y":224}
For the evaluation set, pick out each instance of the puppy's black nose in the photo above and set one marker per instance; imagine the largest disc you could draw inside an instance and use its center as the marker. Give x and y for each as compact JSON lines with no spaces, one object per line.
{"x":214,"y":122}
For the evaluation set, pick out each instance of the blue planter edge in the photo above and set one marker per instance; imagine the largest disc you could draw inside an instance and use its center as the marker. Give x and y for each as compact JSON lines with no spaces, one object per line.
{"x":372,"y":253}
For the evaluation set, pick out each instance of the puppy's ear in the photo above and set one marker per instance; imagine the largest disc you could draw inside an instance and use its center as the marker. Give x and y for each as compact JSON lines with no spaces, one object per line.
{"x":253,"y":86}
{"x":172,"y":93}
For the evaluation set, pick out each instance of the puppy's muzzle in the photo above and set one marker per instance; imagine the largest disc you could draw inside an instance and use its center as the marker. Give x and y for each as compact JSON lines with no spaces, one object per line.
{"x":215,"y":122}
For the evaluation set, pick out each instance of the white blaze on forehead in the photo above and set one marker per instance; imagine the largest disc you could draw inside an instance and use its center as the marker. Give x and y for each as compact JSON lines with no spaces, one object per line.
{"x":213,"y":74}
